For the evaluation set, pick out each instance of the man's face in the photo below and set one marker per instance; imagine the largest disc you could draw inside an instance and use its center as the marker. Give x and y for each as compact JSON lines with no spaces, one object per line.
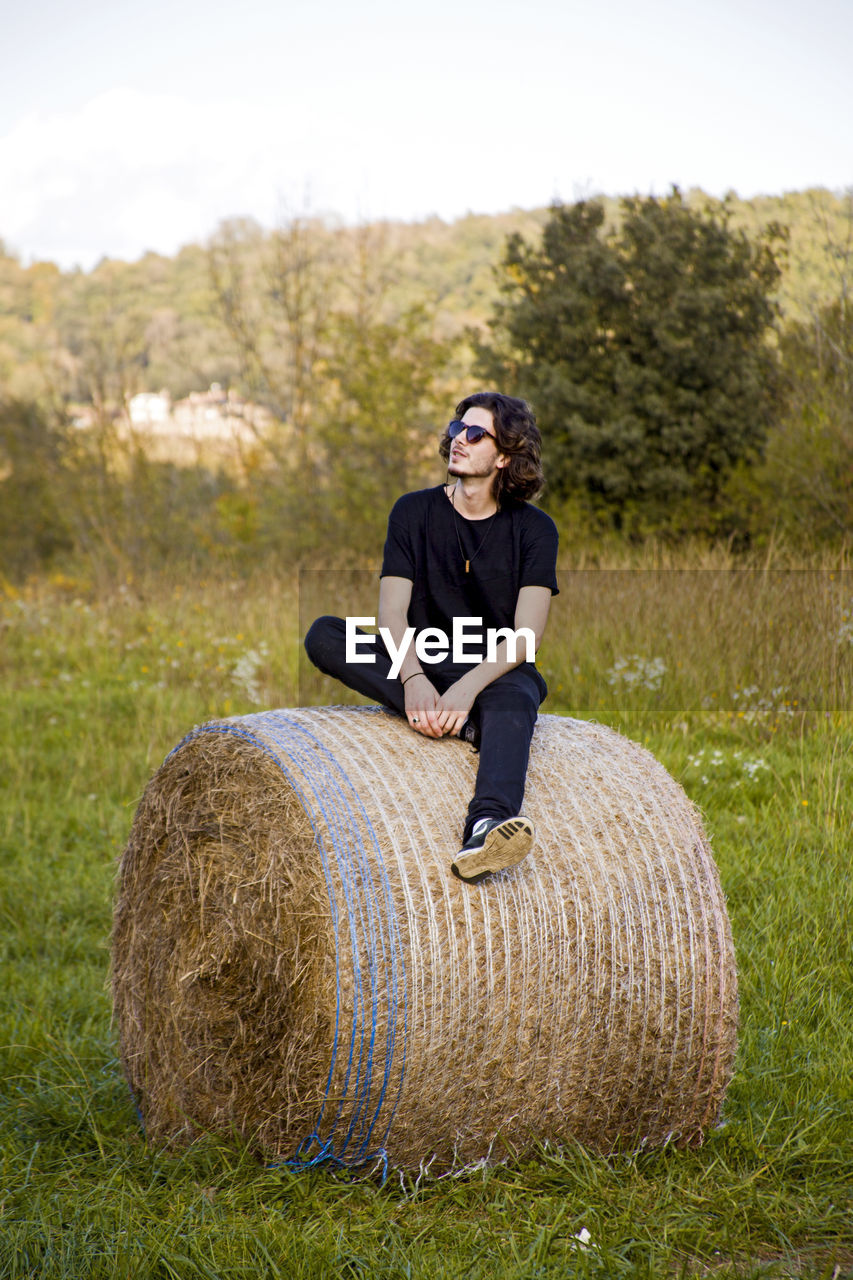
{"x":481,"y":459}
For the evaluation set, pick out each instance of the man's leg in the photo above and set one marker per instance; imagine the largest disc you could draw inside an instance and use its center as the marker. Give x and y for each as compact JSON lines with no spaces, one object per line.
{"x":506,"y":711}
{"x":496,"y":835}
{"x":325,"y":645}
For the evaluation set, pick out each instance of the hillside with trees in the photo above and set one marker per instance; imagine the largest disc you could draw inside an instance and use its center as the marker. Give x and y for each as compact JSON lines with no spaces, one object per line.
{"x":353,"y":342}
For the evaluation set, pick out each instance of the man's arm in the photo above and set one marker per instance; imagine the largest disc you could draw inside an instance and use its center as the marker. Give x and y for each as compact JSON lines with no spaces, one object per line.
{"x":420,"y":693}
{"x":531,"y":610}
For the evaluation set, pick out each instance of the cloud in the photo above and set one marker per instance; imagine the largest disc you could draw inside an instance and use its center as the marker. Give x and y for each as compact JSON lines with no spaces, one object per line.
{"x":130,"y":171}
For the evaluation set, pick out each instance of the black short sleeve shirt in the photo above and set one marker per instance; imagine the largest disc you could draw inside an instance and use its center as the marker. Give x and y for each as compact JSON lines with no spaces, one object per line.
{"x":429,"y":543}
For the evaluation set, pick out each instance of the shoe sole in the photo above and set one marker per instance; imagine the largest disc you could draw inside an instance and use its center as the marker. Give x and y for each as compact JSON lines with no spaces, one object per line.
{"x":505,"y":846}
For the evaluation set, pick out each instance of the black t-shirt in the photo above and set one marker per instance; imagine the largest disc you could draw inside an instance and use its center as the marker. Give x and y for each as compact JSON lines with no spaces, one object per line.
{"x":516,"y":548}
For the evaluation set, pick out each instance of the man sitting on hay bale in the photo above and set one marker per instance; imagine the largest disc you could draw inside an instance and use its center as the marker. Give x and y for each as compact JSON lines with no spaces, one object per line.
{"x":467,"y":577}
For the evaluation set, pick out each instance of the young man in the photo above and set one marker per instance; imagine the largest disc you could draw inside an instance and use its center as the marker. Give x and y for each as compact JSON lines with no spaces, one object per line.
{"x":472,"y":549}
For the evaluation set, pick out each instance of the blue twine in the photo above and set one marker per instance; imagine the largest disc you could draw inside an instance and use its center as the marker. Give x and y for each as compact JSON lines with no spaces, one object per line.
{"x":342,"y":836}
{"x":371,"y":919}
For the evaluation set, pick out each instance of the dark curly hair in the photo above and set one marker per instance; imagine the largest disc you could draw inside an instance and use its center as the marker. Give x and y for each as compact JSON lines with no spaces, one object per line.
{"x":517,"y":436}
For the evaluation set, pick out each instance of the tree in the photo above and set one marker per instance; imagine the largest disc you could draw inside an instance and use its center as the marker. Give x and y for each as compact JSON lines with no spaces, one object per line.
{"x":34,"y":525}
{"x":818,"y":472}
{"x":803,"y":489}
{"x":274,"y":294}
{"x":380,"y":424}
{"x":807,"y":478}
{"x":644,"y":350}
{"x":351,"y":376}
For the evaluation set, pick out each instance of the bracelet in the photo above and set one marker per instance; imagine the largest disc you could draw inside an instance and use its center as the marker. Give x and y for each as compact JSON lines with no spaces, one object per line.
{"x":412,"y":676}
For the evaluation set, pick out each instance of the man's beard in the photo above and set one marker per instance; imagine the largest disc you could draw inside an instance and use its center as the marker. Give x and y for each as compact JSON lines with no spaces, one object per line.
{"x":471,"y":475}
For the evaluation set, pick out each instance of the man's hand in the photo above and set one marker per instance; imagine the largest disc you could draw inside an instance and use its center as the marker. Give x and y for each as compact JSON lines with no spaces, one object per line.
{"x":422,"y":703}
{"x":436,"y":716}
{"x":453,"y":707}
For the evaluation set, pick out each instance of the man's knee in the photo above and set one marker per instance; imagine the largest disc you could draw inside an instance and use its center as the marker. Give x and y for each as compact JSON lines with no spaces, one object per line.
{"x":323,"y":640}
{"x":519,"y":714}
{"x":515,"y":705}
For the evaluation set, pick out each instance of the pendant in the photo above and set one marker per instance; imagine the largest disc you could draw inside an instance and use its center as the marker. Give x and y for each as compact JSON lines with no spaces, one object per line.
{"x":467,"y":566}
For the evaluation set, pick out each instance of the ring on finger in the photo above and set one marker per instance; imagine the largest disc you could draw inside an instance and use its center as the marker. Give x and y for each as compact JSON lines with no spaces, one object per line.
{"x":415,"y":720}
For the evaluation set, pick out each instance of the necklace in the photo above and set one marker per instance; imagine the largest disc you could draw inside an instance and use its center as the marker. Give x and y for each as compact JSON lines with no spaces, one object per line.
{"x":468,"y":559}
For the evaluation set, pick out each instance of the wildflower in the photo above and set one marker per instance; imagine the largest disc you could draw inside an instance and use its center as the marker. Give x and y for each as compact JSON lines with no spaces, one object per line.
{"x":844,"y":634}
{"x":246,"y":672}
{"x":637,"y":672}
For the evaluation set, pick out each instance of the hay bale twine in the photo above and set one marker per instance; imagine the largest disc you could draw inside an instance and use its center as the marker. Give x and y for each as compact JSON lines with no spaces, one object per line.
{"x":293,"y":961}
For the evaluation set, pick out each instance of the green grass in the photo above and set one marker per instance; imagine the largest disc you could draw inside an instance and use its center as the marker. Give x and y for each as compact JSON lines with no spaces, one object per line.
{"x":741,"y":685}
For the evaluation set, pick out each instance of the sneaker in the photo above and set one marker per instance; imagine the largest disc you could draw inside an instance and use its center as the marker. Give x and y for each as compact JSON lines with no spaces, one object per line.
{"x":494,"y":843}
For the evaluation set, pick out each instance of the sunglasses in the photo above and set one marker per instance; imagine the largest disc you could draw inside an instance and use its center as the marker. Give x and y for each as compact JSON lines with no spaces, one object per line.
{"x":473,"y":434}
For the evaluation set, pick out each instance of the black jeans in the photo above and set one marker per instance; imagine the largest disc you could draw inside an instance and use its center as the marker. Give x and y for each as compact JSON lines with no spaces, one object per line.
{"x":505,"y":712}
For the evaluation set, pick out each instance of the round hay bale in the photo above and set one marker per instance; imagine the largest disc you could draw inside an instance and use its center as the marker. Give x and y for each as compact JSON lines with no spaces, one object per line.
{"x":294,"y":962}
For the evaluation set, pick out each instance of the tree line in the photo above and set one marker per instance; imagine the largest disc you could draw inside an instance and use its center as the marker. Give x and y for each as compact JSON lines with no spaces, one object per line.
{"x":677,"y":395}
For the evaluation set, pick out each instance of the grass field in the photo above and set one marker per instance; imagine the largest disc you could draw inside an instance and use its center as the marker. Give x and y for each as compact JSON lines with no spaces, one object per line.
{"x":742,"y":685}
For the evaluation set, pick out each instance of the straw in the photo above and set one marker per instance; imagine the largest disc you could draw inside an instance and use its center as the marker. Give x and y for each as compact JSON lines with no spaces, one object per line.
{"x":294,"y":963}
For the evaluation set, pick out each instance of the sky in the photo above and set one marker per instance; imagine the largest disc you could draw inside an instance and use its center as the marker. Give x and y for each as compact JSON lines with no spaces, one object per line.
{"x":128,"y":127}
